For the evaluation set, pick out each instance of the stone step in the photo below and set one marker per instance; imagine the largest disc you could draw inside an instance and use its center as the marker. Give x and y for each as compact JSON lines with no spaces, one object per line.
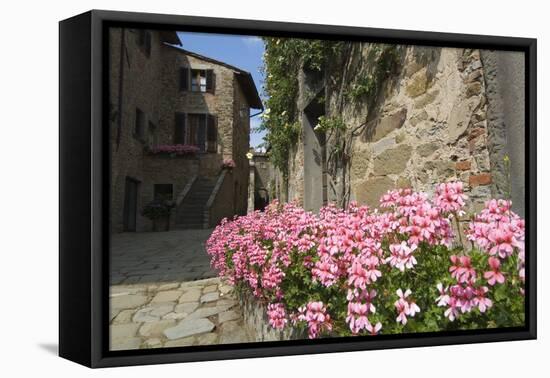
{"x":191,"y":212}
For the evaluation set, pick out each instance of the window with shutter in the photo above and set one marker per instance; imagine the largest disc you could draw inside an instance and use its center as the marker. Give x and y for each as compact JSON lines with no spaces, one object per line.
{"x":139,"y":128}
{"x":179,"y":129}
{"x":184,"y":79}
{"x":211,"y":133}
{"x":198,"y":80}
{"x":210,"y":81}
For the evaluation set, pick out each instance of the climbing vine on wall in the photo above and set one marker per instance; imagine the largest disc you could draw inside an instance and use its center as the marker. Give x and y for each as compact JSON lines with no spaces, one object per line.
{"x":382,"y":60}
{"x":283,"y":58}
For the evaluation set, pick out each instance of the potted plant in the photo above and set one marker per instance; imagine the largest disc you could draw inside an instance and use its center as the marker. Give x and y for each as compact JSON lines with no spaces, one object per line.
{"x":158,"y":211}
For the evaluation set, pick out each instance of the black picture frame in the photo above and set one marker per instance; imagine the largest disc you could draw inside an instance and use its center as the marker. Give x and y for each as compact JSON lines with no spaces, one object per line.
{"x":84,"y":178}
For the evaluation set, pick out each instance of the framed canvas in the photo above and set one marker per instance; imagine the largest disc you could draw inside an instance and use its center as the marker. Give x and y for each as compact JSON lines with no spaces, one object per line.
{"x":235,"y":188}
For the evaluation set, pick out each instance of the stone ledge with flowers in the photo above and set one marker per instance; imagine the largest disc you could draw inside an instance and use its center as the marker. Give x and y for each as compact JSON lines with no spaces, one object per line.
{"x":409,"y":266}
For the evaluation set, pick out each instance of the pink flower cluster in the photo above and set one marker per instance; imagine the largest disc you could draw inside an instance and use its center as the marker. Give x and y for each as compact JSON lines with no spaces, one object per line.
{"x":450,"y":197}
{"x":498,"y":231}
{"x":228,"y":163}
{"x":316,"y":317}
{"x":463,"y":298}
{"x":350,"y":250}
{"x":277,"y":315}
{"x":177,"y":149}
{"x":405,"y":307}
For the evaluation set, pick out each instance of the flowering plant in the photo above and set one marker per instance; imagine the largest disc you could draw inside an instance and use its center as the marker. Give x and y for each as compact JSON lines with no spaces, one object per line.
{"x":401,"y":268}
{"x":174,"y":149}
{"x":157,"y":209}
{"x":228,"y":164}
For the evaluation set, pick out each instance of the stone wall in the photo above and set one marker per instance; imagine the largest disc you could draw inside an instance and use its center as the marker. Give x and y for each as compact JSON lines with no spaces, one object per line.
{"x":257,"y":324}
{"x":240,"y":147}
{"x":426,"y":123}
{"x":262,"y":184}
{"x":429,"y":126}
{"x":133,"y":84}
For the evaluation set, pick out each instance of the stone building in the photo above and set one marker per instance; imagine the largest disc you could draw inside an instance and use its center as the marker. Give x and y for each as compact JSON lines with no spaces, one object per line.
{"x":261,"y":181}
{"x":162,"y":96}
{"x":441,"y":114}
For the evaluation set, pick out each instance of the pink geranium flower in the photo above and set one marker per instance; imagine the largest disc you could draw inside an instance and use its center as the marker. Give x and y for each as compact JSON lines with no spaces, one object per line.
{"x":443,"y":299}
{"x":277,"y":315}
{"x":494,"y":275}
{"x":374,"y":330}
{"x":402,"y":256}
{"x":404,"y":306}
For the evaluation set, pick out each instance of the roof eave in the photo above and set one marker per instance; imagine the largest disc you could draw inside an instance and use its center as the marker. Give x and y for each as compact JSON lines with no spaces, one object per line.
{"x":250,"y":91}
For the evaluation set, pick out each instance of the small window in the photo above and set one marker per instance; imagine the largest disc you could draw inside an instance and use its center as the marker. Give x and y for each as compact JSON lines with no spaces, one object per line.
{"x":163,"y":192}
{"x":139,"y":131}
{"x":198,"y":80}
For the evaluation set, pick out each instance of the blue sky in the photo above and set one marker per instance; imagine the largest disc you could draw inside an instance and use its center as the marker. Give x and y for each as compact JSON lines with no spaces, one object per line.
{"x":242,"y":51}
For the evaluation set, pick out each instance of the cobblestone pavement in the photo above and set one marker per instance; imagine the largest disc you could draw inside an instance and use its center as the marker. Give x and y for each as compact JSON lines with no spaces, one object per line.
{"x":152,"y":257}
{"x":174,"y":314}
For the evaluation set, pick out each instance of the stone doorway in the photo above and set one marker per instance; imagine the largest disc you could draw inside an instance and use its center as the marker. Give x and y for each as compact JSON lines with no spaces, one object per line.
{"x":315,"y":180}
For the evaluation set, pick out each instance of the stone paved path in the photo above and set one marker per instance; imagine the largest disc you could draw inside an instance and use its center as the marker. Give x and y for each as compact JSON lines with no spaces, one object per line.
{"x":152,"y":257}
{"x":174,"y":314}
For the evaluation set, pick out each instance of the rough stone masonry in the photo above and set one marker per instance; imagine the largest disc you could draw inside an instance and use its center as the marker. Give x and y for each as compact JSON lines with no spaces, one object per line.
{"x":445,"y":114}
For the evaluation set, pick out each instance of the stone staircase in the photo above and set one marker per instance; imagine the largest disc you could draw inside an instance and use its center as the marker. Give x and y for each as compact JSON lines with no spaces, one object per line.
{"x":191,"y":213}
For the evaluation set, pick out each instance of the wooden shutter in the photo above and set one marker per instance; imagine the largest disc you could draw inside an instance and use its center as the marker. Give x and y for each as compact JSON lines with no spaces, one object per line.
{"x":212,"y":133}
{"x":201,"y":133}
{"x":179,"y":129}
{"x":184,"y":79}
{"x":210,"y":81}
